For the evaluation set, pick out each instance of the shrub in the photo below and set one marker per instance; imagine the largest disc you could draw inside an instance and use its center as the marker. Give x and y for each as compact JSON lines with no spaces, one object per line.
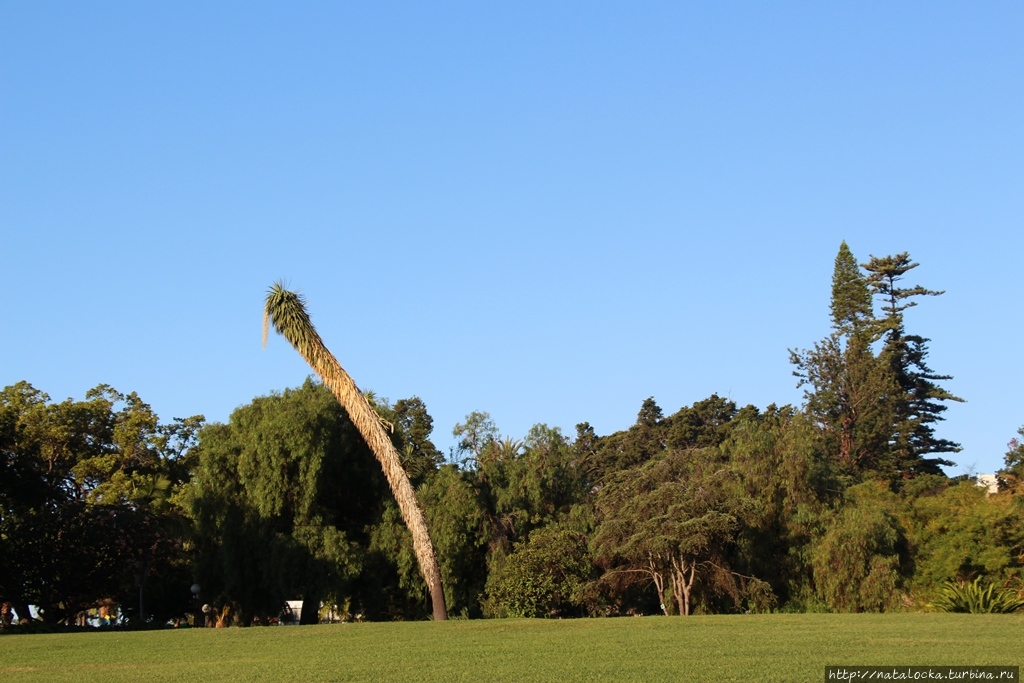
{"x":543,"y":577}
{"x":976,"y":598}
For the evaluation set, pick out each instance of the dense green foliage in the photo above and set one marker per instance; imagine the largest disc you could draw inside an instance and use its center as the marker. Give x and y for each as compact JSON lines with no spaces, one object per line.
{"x":838,"y":505}
{"x":84,"y":507}
{"x":280,"y":495}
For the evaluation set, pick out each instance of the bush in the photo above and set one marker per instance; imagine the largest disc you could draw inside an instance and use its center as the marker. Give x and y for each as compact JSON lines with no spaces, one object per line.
{"x":976,"y":598}
{"x":858,"y":560}
{"x":543,"y":577}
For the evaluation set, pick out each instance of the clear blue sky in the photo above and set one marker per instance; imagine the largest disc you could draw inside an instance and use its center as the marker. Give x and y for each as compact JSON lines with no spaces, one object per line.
{"x":548,"y":211}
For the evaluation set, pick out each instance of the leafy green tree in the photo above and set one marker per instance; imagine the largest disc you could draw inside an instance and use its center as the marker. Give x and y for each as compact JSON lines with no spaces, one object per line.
{"x":585,"y":449}
{"x":413,"y":426}
{"x":280,"y":497}
{"x":459,"y":528}
{"x":142,"y":461}
{"x":789,"y":482}
{"x":287,"y":311}
{"x":538,"y":482}
{"x":672,"y":522}
{"x":960,"y":533}
{"x":647,"y":438}
{"x":861,"y":559}
{"x":705,"y":424}
{"x":525,"y":485}
{"x":545,"y":576}
{"x":851,"y":307}
{"x":1012,"y":474}
{"x":84,"y":511}
{"x":24,"y":480}
{"x":475,"y":435}
{"x":875,"y":411}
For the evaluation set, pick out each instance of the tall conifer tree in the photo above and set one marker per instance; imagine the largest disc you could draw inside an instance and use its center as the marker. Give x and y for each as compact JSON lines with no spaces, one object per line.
{"x":875,"y":408}
{"x":848,"y":389}
{"x":919,"y":402}
{"x":851,"y":298}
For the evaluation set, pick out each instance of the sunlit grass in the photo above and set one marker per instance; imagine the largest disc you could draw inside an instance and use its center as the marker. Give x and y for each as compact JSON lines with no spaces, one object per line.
{"x":712,"y":648}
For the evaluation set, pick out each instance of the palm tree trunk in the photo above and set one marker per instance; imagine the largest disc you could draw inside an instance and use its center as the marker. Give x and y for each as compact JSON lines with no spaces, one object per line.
{"x":368,"y":423}
{"x":287,"y":310}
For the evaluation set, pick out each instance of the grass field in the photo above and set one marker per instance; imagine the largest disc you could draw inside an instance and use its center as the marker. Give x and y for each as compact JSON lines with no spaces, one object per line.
{"x":777,"y":647}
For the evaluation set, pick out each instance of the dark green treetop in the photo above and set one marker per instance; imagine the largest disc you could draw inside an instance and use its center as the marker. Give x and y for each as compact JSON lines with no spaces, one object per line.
{"x":848,"y":388}
{"x":851,"y":298}
{"x":885,"y":273}
{"x":875,"y":407}
{"x":920,"y":401}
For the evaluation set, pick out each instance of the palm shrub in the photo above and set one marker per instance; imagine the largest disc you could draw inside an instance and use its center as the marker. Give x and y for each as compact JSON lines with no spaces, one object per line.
{"x":976,"y":598}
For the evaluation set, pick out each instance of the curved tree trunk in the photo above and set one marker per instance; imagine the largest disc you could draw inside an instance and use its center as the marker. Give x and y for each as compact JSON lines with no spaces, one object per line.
{"x":291,"y":320}
{"x":366,"y":420}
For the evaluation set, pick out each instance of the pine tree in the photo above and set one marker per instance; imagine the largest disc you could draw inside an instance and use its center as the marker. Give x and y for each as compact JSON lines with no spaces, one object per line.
{"x":918,"y":405}
{"x":875,"y":410}
{"x":851,"y":297}
{"x":848,"y":388}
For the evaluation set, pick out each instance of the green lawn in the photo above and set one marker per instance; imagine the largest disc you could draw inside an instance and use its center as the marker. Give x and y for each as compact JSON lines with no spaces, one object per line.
{"x":781,"y":647}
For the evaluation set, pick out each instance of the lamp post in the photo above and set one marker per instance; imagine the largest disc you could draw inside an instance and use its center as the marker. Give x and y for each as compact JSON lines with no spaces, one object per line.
{"x":199,"y":615}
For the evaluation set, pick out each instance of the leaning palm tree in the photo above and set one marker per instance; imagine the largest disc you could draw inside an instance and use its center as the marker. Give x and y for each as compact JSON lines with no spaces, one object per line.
{"x":287,"y":311}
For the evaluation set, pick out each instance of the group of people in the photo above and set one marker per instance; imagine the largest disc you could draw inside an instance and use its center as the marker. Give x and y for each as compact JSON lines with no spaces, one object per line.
{"x":7,"y":615}
{"x":213,"y":618}
{"x":106,"y":613}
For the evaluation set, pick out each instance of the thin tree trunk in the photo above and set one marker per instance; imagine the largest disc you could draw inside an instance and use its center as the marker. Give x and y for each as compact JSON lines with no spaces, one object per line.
{"x":689,"y":585}
{"x":683,"y":587}
{"x":310,"y":610}
{"x":659,"y":584}
{"x":679,"y":584}
{"x":679,"y":591}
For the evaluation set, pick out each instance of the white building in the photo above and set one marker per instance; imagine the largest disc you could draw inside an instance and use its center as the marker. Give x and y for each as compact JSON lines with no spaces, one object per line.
{"x":989,"y":481}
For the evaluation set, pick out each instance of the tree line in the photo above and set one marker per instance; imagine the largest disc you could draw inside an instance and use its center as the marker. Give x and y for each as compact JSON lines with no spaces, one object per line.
{"x":839,"y":504}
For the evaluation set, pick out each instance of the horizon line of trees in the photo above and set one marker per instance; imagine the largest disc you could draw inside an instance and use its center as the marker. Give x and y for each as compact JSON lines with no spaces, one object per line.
{"x":837,"y":505}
